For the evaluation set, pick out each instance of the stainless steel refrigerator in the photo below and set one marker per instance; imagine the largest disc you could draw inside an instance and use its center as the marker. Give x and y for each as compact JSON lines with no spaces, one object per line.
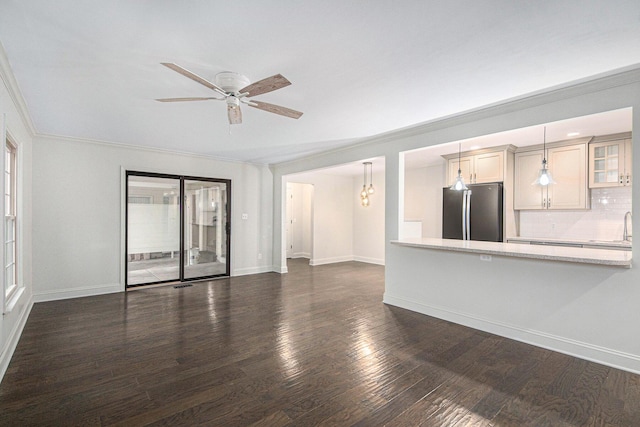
{"x":473,"y":214}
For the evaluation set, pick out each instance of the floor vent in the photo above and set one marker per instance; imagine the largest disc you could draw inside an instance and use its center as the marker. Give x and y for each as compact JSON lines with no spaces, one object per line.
{"x":182,"y":286}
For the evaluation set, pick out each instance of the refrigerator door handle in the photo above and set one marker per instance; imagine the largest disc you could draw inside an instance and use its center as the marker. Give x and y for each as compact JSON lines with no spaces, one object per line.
{"x":464,"y":215}
{"x":467,"y":215}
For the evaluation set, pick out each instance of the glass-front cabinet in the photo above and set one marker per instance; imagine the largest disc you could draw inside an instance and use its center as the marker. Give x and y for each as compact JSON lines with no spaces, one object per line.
{"x":610,"y":163}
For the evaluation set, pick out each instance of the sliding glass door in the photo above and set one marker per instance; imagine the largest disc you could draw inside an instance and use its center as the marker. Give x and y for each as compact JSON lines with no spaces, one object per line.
{"x":205,"y":234}
{"x":177,"y":228}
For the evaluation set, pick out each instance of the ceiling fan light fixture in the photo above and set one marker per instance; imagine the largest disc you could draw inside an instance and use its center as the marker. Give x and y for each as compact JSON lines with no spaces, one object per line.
{"x":236,"y":88}
{"x":231,"y":82}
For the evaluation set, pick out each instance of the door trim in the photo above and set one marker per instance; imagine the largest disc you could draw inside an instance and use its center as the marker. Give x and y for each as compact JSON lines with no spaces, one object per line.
{"x":125,"y":226}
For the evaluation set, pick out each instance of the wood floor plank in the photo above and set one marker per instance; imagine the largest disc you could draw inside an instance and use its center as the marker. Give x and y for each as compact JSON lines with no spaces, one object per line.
{"x":315,"y":346}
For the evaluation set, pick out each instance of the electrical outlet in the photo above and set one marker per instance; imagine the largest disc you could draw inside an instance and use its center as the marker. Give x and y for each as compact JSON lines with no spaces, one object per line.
{"x":245,"y":216}
{"x":485,"y":258}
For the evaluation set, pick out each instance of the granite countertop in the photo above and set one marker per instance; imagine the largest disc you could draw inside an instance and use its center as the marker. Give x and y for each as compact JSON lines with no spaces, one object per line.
{"x":619,"y":244}
{"x":609,"y":257}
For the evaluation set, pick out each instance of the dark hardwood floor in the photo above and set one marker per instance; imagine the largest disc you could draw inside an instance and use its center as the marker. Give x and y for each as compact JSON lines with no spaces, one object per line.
{"x":313,"y":347}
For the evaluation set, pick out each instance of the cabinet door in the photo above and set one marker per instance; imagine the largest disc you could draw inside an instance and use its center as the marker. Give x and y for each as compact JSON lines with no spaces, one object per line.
{"x":607,"y":164}
{"x":569,"y":169}
{"x":466,"y":168}
{"x":488,"y":167}
{"x":527,"y":195}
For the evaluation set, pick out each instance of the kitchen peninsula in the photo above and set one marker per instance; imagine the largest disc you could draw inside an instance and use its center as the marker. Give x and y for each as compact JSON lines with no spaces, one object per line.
{"x":592,"y":255}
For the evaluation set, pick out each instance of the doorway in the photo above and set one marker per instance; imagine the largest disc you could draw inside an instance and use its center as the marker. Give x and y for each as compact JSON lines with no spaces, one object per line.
{"x":177,"y":228}
{"x":299,"y":220}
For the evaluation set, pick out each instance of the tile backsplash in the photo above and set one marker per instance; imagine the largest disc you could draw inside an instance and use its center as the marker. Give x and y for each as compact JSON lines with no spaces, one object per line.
{"x":604,"y":221}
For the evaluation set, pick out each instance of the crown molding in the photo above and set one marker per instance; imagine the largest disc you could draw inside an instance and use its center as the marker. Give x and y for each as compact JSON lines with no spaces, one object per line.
{"x":78,"y":140}
{"x":7,"y":76}
{"x":588,"y":85}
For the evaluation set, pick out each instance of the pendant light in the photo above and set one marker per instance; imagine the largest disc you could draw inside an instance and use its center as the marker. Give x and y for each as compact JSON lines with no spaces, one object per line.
{"x":544,"y":176}
{"x":366,"y":191}
{"x":371,"y":190}
{"x":459,"y":184}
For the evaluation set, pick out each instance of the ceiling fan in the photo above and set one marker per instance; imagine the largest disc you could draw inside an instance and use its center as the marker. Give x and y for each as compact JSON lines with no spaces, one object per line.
{"x":235,"y":89}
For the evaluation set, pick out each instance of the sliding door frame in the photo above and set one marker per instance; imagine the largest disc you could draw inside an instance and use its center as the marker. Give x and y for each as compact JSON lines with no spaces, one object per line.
{"x":181,"y":208}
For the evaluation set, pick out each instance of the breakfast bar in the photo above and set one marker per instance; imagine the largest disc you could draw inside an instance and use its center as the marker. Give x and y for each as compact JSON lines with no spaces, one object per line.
{"x":608,"y":257}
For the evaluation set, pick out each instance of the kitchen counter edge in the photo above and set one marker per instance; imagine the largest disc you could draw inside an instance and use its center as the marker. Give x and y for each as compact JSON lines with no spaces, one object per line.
{"x":608,"y":257}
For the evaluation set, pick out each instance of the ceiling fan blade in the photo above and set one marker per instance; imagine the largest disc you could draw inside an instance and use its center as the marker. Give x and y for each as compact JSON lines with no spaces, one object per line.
{"x":283,"y":111}
{"x":234,"y":113}
{"x":194,"y":77}
{"x":266,"y":85}
{"x":188,"y":99}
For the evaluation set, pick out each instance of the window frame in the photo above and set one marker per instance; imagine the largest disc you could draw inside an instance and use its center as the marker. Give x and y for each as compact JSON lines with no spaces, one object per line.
{"x":10,"y":233}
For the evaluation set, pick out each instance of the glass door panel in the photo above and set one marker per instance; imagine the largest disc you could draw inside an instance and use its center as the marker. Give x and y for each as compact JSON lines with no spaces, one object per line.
{"x":205,"y":248}
{"x":153,"y":229}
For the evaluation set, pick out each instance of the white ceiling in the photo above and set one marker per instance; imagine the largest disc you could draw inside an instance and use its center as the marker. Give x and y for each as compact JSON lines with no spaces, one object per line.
{"x":91,"y":69}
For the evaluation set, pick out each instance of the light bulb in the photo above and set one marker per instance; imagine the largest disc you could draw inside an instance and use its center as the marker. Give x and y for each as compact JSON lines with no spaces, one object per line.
{"x":371,"y":190}
{"x":544,"y":178}
{"x":458,"y":185}
{"x":365,"y":201}
{"x":363,"y":193}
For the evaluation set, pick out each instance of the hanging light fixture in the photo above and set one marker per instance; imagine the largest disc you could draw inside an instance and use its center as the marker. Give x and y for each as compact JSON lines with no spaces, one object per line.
{"x":459,"y":185}
{"x":544,"y":176}
{"x":366,"y":191}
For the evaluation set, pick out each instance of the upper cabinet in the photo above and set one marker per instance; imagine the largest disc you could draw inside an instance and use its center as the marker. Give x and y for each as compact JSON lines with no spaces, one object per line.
{"x":610,"y":162}
{"x":567,"y":164}
{"x":478,"y":167}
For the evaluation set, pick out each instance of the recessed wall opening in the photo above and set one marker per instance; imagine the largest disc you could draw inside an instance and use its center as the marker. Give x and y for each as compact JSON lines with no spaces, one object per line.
{"x":324,"y":219}
{"x":591,"y":158}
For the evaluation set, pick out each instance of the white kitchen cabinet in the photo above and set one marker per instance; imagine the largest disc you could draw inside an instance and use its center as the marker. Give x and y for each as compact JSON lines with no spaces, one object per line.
{"x":478,"y":168}
{"x":568,"y":167}
{"x":610,"y":163}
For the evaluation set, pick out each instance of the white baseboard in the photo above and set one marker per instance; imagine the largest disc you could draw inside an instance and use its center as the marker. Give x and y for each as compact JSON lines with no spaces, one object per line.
{"x":368,"y":260}
{"x":12,"y":340}
{"x":332,"y":260}
{"x":251,"y":270}
{"x":301,"y":255}
{"x":86,"y":291}
{"x":606,"y":356}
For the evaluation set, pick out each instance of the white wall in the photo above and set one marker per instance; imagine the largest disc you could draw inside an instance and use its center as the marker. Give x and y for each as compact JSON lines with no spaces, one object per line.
{"x":77,"y":222}
{"x":342,"y":230}
{"x":589,"y":311}
{"x":368,"y":223}
{"x":423,"y":197}
{"x":16,"y":124}
{"x":332,"y":217}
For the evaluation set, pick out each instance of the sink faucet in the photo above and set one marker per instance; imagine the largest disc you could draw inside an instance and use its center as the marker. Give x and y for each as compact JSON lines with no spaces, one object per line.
{"x":625,"y":234}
